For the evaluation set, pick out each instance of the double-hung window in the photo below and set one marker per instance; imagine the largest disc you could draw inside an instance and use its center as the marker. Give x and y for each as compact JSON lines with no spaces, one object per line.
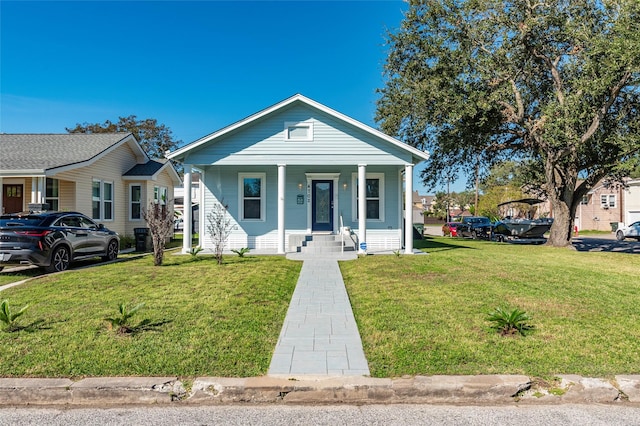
{"x":135,"y":202}
{"x":160,"y":195}
{"x":251,"y":187}
{"x":102,"y":200}
{"x":608,"y":201}
{"x":52,"y":194}
{"x":374,"y":196}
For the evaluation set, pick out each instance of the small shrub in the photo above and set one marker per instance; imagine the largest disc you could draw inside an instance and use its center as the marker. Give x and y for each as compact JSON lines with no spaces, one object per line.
{"x":219,"y":228}
{"x":510,"y":321}
{"x":10,"y":319}
{"x":241,"y":252}
{"x":195,"y":250}
{"x":127,"y":241}
{"x":397,"y":253}
{"x":121,"y":322}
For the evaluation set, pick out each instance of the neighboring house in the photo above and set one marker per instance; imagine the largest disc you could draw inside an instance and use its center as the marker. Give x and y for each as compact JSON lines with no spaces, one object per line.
{"x":631,"y":210}
{"x":106,"y":176}
{"x":601,"y":207}
{"x":178,"y":193}
{"x":294,"y":169}
{"x":421,"y":204}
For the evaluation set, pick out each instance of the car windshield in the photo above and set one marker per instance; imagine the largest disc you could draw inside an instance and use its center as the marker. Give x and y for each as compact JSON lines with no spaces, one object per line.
{"x":20,"y":221}
{"x":479,"y":220}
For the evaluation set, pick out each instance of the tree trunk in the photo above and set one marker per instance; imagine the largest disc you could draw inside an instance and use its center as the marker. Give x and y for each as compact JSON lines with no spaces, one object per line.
{"x":560,"y":192}
{"x":158,"y":252}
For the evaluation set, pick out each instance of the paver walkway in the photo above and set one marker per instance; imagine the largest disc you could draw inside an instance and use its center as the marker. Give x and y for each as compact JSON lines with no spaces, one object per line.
{"x":319,"y":335}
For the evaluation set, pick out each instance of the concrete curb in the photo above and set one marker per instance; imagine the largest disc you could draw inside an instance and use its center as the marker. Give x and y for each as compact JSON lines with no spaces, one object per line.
{"x":490,"y":389}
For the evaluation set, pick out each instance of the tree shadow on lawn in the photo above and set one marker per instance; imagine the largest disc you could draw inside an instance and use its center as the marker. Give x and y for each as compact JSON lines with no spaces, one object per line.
{"x":147,"y":325}
{"x":31,"y":328}
{"x":437,"y":245}
{"x":212,"y":259}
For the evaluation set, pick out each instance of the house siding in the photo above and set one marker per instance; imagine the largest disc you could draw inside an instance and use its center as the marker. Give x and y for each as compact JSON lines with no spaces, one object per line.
{"x":221,"y":185}
{"x":334,"y":142}
{"x":592,"y":216}
{"x":109,"y":168}
{"x":632,"y":202}
{"x":67,"y":195}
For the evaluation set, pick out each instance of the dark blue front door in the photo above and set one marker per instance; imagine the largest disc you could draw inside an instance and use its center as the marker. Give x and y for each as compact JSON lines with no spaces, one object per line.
{"x":322,"y":205}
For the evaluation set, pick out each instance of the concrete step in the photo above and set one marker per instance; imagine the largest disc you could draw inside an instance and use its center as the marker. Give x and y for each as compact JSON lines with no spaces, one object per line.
{"x":325,"y":243}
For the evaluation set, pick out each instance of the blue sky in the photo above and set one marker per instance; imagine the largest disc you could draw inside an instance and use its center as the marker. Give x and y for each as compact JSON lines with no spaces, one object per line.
{"x":194,"y":66}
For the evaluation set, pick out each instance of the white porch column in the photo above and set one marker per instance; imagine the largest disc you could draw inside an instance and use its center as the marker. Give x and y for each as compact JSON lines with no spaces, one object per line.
{"x":37,"y":189}
{"x":187,"y":213}
{"x":282,"y":178}
{"x":34,"y":190}
{"x":408,"y":209}
{"x":362,"y":206}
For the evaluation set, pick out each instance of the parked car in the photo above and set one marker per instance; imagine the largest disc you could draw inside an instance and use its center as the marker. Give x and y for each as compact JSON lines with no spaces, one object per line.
{"x":475,"y":227}
{"x":52,"y":240}
{"x":631,"y":231}
{"x":450,"y":228}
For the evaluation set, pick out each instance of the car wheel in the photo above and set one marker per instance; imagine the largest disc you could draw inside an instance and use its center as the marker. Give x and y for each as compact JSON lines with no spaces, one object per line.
{"x":474,"y":235}
{"x":620,"y":235}
{"x":112,"y":251}
{"x":60,"y":260}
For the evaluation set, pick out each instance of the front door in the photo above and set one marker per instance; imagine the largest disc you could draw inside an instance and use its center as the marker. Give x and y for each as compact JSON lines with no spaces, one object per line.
{"x":322,"y":205}
{"x":12,"y":198}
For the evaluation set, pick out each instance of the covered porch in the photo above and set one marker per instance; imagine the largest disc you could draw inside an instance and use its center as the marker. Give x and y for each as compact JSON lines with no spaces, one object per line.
{"x":275,"y":208}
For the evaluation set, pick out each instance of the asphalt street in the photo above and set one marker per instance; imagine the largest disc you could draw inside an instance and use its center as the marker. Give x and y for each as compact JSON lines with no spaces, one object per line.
{"x":606,"y":243}
{"x":531,"y":415}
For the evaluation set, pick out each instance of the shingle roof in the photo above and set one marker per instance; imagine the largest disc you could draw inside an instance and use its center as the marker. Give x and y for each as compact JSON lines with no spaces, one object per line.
{"x":147,"y":169}
{"x":49,"y":151}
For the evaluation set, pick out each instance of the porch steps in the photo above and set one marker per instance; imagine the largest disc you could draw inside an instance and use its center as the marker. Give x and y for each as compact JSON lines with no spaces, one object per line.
{"x":324,"y":243}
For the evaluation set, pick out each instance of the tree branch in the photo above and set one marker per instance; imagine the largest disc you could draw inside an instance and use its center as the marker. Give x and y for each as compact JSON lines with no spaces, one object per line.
{"x":519,"y":102}
{"x":602,"y":111}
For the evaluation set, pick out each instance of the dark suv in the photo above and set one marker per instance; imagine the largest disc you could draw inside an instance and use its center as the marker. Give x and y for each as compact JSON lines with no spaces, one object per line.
{"x":475,"y":227}
{"x":52,"y":240}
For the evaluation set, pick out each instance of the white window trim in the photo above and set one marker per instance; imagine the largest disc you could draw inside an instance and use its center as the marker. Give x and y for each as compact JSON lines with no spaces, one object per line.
{"x":101,"y":200}
{"x":354,"y":198}
{"x":263,"y":191}
{"x":164,"y":195}
{"x":47,"y":198}
{"x":131,"y":218}
{"x":289,"y":124}
{"x":111,"y":201}
{"x":608,"y":201}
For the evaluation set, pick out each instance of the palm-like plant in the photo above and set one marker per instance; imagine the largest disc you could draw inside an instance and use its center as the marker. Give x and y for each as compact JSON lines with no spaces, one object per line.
{"x":241,"y":252}
{"x":121,"y":322}
{"x":8,"y":318}
{"x":509,"y":321}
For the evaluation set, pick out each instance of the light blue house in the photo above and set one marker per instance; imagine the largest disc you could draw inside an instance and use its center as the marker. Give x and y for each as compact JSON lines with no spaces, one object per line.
{"x":293,"y":170}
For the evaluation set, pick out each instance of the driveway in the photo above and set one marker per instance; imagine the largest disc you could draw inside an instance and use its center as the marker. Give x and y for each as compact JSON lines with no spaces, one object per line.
{"x":606,"y":243}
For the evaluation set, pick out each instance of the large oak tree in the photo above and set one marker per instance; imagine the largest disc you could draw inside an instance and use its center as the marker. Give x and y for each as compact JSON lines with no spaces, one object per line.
{"x":552,"y":83}
{"x":155,"y":139}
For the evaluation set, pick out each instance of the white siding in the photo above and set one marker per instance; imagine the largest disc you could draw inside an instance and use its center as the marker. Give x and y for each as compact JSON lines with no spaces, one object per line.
{"x":632,"y":202}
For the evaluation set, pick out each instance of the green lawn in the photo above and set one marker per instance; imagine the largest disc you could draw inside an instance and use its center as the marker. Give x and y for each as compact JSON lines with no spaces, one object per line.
{"x":204,"y":319}
{"x":426,"y":314}
{"x":418,"y":315}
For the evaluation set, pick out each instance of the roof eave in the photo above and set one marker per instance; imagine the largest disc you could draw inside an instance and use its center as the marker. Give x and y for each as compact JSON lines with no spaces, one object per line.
{"x":417,"y":155}
{"x":23,"y":173}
